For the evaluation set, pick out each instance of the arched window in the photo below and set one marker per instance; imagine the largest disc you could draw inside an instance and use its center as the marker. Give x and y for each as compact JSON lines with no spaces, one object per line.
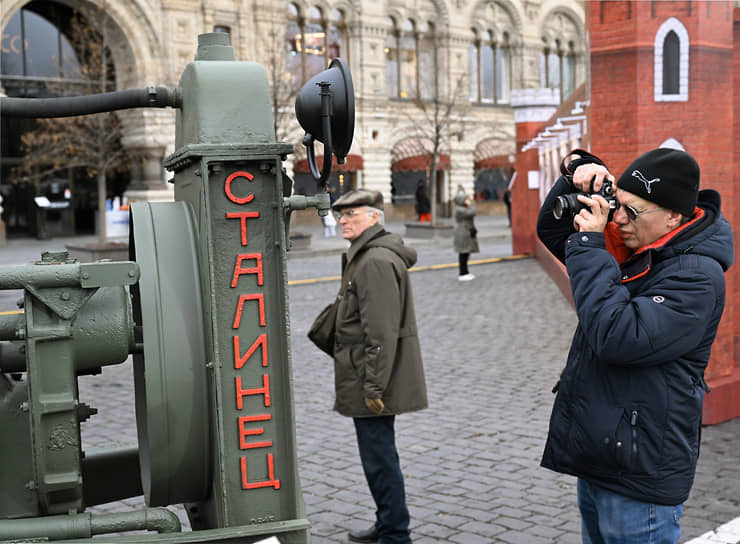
{"x":391,"y":58}
{"x":48,"y":49}
{"x":671,"y":55}
{"x":490,"y":69}
{"x":671,"y":64}
{"x":559,"y":61}
{"x":550,"y":66}
{"x":568,"y":64}
{"x":558,"y":69}
{"x":473,"y":64}
{"x":338,"y":36}
{"x":408,"y":60}
{"x":312,"y":41}
{"x":428,"y":64}
{"x":294,"y":58}
{"x":503,"y":71}
{"x":489,"y":56}
{"x":34,"y":49}
{"x":411,"y":60}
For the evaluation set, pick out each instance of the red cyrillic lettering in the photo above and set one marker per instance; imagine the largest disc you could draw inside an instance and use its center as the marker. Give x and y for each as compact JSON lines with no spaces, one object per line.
{"x":243,"y":433}
{"x":260,"y":298}
{"x":239,"y":360}
{"x":238,"y":270}
{"x":241,"y":393}
{"x":230,"y":195}
{"x":243,"y":216}
{"x":270,"y":482}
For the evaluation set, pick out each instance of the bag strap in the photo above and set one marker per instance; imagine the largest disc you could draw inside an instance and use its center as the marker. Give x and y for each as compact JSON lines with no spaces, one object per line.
{"x":348,"y":275}
{"x":351,"y":268}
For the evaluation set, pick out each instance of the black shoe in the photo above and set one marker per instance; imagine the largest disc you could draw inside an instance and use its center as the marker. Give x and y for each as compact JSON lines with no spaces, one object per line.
{"x":364,"y":535}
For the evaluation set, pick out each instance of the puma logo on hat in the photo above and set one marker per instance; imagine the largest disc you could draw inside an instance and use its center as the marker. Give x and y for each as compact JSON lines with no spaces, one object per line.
{"x":637,"y":174}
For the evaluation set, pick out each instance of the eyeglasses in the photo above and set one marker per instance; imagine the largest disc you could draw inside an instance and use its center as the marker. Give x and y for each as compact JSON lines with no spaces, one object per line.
{"x":348,"y":213}
{"x":632,"y":213}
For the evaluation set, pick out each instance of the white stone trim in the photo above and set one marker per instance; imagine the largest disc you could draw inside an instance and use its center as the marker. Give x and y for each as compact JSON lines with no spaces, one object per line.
{"x":672,"y":24}
{"x":672,"y":143}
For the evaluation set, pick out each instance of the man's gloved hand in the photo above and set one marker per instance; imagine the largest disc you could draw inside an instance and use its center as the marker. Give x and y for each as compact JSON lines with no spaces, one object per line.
{"x":374,"y":405}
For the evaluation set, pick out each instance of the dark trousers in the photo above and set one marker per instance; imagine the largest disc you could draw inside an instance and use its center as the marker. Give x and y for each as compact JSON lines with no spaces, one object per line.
{"x":464,"y":263}
{"x":377,"y":443}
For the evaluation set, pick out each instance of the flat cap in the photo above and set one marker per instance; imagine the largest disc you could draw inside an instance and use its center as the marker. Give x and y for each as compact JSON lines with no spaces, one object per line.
{"x":359,"y":197}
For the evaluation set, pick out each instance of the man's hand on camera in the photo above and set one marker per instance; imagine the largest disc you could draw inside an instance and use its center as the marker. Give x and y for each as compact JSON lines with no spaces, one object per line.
{"x":585,"y":173}
{"x":374,"y":405}
{"x":593,"y":218}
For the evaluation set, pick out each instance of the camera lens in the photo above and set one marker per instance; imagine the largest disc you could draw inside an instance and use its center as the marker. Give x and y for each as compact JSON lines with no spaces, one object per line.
{"x":559,"y":207}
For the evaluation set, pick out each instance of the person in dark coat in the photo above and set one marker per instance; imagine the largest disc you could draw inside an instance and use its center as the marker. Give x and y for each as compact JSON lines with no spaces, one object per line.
{"x":377,"y":358}
{"x":465,"y":240}
{"x":507,"y":201}
{"x":649,"y":291}
{"x":423,"y":205}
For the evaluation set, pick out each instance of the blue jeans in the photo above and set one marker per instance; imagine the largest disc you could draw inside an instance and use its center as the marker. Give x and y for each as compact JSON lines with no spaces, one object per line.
{"x":377,"y":443}
{"x":610,"y":518}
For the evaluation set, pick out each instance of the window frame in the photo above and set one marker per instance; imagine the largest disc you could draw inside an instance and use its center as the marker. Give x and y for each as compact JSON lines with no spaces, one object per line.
{"x":672,"y":24}
{"x":487,"y":40}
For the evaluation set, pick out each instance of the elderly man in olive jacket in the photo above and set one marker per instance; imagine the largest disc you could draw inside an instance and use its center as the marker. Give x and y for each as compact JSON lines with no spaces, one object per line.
{"x":377,"y":359}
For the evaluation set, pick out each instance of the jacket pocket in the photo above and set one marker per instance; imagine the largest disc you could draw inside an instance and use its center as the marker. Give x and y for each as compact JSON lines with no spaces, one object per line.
{"x":617,"y":439}
{"x":596,"y":438}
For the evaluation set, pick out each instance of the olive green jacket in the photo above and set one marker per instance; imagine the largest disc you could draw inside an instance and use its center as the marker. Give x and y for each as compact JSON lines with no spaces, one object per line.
{"x":377,"y":353}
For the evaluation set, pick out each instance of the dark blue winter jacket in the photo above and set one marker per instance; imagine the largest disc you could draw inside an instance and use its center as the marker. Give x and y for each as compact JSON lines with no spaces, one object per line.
{"x":627,"y":413}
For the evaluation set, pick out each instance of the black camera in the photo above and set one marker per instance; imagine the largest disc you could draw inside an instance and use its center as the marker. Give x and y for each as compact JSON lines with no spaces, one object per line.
{"x":567,"y":206}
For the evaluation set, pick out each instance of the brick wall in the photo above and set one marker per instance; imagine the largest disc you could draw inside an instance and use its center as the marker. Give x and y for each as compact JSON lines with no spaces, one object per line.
{"x":626,"y":121}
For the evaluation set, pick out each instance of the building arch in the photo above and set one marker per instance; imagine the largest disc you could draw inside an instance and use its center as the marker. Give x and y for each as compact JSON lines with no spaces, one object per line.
{"x":133,"y":31}
{"x":489,"y":7}
{"x":410,"y":162}
{"x":493,"y":166}
{"x":671,"y":64}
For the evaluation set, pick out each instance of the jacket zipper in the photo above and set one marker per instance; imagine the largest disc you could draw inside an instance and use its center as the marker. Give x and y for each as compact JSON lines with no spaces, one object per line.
{"x":633,"y":423}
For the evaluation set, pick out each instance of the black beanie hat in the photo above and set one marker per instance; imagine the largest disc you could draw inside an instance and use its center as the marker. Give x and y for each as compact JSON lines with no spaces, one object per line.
{"x":667,"y":177}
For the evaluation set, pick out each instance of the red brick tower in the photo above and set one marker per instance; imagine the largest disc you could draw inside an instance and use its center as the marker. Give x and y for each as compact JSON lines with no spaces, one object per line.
{"x":669,"y":72}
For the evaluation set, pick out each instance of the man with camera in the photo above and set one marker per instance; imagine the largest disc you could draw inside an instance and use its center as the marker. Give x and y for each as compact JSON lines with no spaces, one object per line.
{"x":646,"y":262}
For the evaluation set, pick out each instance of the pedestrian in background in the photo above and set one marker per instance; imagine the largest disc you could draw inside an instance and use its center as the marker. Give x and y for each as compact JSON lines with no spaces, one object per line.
{"x":377,"y":358}
{"x":649,"y":291}
{"x":330,"y":225}
{"x":465,"y":239}
{"x":423,"y":206}
{"x":507,"y":201}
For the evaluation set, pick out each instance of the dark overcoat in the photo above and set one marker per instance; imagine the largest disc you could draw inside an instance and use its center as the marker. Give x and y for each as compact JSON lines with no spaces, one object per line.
{"x":377,"y":352}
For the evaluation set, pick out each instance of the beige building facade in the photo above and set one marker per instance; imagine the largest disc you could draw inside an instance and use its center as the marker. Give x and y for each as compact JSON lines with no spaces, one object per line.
{"x":454,"y":71}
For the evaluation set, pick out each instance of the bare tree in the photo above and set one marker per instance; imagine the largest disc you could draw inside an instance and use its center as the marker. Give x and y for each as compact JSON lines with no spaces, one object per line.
{"x":284,"y":88}
{"x":89,"y":144}
{"x":435,"y":121}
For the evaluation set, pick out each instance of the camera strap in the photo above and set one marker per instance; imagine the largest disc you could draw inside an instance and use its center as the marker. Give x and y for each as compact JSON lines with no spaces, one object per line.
{"x":584,"y":157}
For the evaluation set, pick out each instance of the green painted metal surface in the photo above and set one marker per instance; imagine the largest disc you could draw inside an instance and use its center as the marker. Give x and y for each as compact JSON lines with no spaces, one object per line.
{"x":75,"y":319}
{"x":228,"y":167}
{"x":209,"y":329}
{"x":172,"y":412}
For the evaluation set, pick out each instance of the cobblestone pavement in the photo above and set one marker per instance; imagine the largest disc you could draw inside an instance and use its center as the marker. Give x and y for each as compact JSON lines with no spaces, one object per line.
{"x":493,"y":349}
